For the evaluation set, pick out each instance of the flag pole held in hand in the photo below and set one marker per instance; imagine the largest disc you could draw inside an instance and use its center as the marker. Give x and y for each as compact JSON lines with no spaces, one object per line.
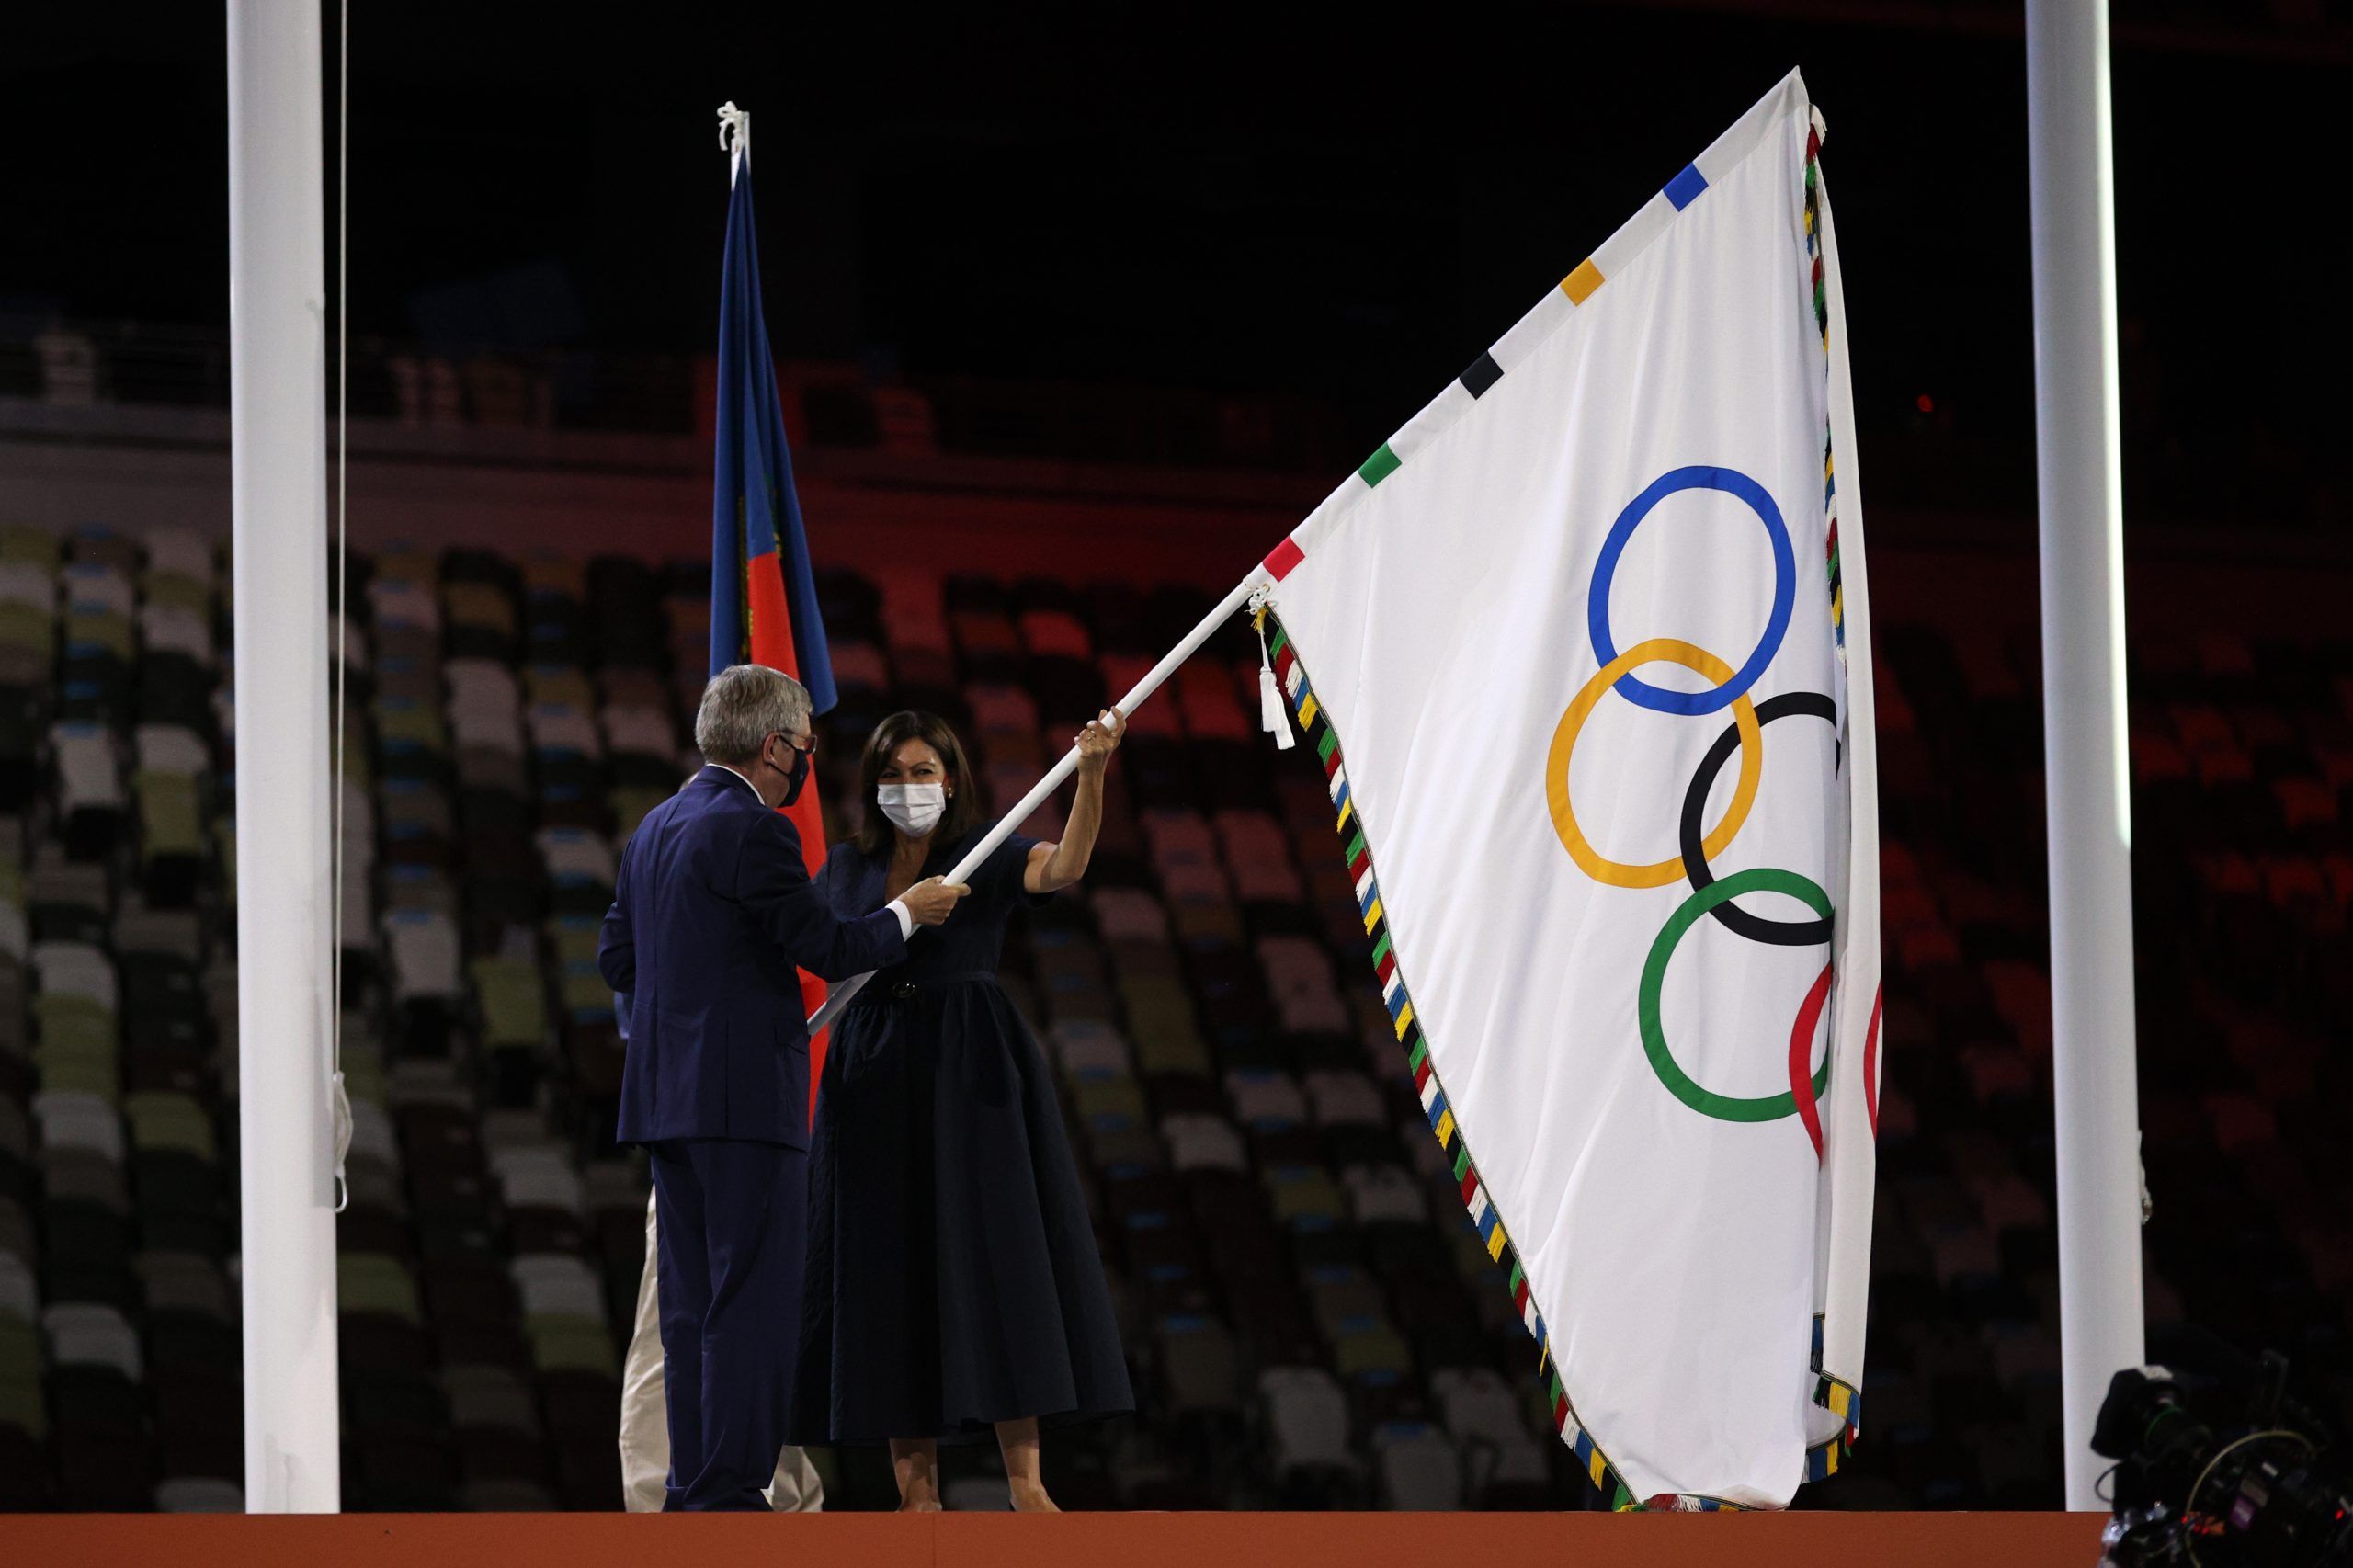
{"x":1039,"y":793}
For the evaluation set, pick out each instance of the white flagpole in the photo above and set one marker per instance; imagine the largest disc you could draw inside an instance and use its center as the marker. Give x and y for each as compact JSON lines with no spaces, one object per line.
{"x":1045,"y":786}
{"x":278,"y":484}
{"x":2093,"y":1071}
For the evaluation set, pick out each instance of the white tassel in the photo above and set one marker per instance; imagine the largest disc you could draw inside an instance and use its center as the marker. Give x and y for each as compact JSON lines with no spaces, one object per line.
{"x":734,"y":128}
{"x":1273,"y":714}
{"x":735,"y":139}
{"x":1272,"y":711}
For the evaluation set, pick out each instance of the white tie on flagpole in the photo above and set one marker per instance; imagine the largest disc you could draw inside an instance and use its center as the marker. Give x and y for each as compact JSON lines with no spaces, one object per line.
{"x":734,"y":137}
{"x":1137,"y":695}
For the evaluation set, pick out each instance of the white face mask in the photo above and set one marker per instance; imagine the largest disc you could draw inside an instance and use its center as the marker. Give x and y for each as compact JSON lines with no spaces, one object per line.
{"x":914,"y":809}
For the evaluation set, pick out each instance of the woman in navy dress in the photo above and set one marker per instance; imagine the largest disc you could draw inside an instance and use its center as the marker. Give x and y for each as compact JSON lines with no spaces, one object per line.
{"x":953,"y":1286}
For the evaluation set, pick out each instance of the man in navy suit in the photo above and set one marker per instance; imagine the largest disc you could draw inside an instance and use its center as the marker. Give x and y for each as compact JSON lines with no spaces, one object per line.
{"x":712,"y":910}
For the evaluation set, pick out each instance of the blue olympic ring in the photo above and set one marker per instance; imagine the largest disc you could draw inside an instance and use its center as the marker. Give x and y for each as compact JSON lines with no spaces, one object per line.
{"x":1731,"y":481}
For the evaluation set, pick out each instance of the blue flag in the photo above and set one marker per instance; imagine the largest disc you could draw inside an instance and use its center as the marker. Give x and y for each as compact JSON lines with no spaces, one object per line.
{"x":763,"y":594}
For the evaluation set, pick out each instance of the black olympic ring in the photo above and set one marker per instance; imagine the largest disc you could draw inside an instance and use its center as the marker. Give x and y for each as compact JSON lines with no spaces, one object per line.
{"x":1756,"y":928}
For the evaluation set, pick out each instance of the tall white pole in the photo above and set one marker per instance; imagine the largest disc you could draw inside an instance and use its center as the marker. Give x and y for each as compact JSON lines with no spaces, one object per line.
{"x":2087,"y":788}
{"x":278,"y":482}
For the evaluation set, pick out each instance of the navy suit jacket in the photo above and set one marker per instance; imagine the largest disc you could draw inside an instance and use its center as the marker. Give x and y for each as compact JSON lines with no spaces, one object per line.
{"x":713,"y":909}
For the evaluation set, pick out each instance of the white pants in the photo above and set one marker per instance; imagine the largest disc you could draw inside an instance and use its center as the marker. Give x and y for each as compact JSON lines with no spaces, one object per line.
{"x":645,"y":1428}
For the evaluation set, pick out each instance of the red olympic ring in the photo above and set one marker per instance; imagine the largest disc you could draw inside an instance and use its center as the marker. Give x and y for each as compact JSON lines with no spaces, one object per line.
{"x":1801,"y":1053}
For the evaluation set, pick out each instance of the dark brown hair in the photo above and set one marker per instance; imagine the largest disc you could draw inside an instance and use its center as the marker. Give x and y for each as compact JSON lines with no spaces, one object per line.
{"x":875,"y":834}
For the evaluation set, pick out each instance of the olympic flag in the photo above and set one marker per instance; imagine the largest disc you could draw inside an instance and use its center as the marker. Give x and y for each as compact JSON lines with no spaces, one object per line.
{"x":1583,"y":652}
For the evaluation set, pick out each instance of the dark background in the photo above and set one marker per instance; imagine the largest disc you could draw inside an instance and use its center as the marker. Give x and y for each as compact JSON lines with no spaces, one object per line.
{"x":1233,"y":201}
{"x":1144,"y":205}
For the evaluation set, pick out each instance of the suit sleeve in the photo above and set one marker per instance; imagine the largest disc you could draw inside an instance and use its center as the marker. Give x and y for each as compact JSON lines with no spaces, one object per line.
{"x":774,"y":885}
{"x":616,"y":944}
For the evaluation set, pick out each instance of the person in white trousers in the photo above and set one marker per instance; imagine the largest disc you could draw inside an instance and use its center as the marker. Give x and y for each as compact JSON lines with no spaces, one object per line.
{"x":645,"y":1432}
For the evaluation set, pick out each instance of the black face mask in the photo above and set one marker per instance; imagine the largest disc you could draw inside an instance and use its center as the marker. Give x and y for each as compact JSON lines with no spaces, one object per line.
{"x":796,"y":775}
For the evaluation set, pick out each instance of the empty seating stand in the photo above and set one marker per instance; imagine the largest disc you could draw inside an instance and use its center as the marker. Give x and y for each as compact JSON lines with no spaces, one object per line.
{"x":1311,"y":1321}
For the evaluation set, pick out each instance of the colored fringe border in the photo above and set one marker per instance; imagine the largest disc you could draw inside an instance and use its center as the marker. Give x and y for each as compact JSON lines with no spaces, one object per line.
{"x":1325,"y":741}
{"x":1821,"y":292}
{"x":1841,"y":1399}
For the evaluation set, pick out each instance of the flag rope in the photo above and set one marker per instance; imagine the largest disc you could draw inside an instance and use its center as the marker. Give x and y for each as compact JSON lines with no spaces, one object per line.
{"x":339,"y":1095}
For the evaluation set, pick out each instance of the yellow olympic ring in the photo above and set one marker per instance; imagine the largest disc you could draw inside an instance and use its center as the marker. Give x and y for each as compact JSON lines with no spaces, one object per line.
{"x":1564,"y":740}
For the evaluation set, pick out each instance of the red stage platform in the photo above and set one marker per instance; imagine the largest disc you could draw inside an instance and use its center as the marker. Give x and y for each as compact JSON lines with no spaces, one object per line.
{"x":1071,"y":1541}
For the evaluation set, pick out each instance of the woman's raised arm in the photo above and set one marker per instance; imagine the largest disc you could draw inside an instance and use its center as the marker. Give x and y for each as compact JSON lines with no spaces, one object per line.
{"x":1053,"y":866}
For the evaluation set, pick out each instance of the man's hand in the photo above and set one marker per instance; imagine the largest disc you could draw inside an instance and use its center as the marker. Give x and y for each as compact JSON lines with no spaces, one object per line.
{"x":931,"y":901}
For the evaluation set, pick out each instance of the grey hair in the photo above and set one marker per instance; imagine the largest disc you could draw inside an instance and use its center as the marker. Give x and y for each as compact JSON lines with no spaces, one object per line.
{"x":741,"y":707}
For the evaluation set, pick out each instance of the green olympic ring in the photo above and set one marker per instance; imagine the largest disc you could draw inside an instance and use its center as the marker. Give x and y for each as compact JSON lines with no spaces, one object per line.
{"x":1707,"y":1102}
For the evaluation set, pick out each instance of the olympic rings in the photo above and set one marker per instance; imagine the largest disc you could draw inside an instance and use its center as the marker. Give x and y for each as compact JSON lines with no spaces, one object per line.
{"x":1746,"y":729}
{"x":1707,"y":1102}
{"x":1709,"y":894}
{"x":1777,"y":623}
{"x":1756,"y":928}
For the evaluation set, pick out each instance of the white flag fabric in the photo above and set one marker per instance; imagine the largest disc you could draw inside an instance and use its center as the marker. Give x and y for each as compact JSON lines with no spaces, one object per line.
{"x":1584,"y":652}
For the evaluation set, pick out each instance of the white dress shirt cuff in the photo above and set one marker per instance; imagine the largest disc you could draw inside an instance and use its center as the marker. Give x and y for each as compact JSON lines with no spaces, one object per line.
{"x":906,"y":921}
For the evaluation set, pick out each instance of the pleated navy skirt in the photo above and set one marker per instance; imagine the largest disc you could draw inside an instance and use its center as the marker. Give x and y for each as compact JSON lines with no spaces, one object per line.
{"x":952,"y":1277}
